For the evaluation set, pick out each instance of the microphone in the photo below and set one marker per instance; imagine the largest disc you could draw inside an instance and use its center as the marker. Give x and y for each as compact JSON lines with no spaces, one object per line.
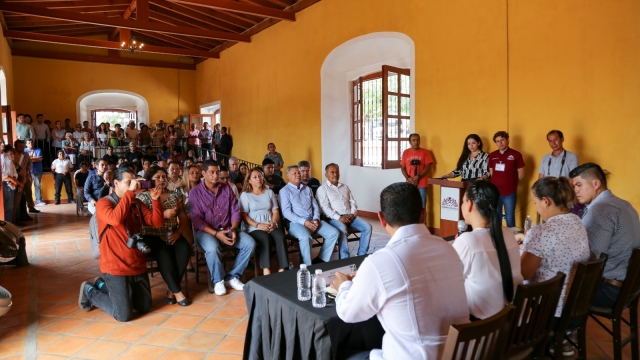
{"x":462,"y":227}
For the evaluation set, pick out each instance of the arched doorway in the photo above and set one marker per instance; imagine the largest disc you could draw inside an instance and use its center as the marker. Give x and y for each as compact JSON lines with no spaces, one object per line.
{"x":114,"y":100}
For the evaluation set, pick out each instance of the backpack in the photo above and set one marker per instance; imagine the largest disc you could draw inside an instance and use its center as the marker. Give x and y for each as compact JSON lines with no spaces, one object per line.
{"x":133,"y":224}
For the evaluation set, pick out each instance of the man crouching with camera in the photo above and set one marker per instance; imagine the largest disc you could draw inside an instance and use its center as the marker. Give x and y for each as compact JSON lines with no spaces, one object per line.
{"x":124,"y":285}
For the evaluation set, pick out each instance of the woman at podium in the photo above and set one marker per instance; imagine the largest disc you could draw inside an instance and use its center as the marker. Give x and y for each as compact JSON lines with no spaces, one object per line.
{"x":472,"y":164}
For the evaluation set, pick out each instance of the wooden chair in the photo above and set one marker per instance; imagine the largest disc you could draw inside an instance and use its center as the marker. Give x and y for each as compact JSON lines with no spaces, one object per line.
{"x":628,"y":298}
{"x":577,"y":307}
{"x":152,"y":267}
{"x":228,"y":253}
{"x":484,"y":339}
{"x":531,"y":324}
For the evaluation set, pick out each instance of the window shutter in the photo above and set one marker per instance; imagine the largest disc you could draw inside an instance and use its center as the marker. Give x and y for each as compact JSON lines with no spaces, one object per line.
{"x":396,"y":114}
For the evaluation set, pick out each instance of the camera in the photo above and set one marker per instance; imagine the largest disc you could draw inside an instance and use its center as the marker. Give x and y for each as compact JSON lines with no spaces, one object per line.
{"x":415,"y":162}
{"x":136,"y":240}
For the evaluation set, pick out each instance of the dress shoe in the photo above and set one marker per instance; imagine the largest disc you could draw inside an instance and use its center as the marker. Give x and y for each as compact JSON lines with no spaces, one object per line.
{"x":19,"y":223}
{"x":57,"y":202}
{"x":71,"y":202}
{"x":26,"y":218}
{"x":34,"y":211}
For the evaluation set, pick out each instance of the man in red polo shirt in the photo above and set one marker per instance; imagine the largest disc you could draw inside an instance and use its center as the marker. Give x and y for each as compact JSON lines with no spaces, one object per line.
{"x":124,"y":285}
{"x":507,"y":168}
{"x":416,"y":165}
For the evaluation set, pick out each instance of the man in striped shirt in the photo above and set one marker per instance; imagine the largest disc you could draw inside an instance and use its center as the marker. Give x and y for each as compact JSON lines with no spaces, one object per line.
{"x":612,"y":227}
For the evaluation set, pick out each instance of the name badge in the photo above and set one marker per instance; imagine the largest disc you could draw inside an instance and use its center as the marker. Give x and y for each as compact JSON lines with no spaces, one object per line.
{"x":500,"y":167}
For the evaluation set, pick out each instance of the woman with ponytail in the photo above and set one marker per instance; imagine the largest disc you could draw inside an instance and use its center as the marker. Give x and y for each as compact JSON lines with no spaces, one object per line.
{"x":490,"y":254}
{"x":559,"y":243}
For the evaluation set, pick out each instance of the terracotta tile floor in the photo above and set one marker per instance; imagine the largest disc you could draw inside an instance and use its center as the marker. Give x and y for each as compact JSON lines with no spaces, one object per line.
{"x":45,"y":321}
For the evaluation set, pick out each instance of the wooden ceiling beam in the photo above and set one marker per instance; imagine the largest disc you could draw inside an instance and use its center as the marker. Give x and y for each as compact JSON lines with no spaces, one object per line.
{"x":242,"y":8}
{"x":61,"y":28}
{"x":242,"y":22}
{"x":104,"y":44}
{"x":142,"y":10}
{"x":113,"y":22}
{"x":263,"y":3}
{"x":184,"y":11}
{"x":85,"y":32}
{"x":72,"y":4}
{"x":101,"y":59}
{"x":206,"y":43}
{"x":130,"y":10}
{"x":169,"y":17}
{"x":173,"y":41}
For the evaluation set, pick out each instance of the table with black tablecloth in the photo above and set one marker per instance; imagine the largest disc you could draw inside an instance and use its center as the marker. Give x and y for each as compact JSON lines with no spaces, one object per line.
{"x":282,"y":327}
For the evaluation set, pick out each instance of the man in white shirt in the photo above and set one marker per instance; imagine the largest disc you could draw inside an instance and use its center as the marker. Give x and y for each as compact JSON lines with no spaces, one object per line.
{"x":414,"y":285}
{"x":337,"y":203}
{"x":132,"y":132}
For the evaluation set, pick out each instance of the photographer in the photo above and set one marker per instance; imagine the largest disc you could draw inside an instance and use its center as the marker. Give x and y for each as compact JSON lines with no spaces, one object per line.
{"x":121,"y":260}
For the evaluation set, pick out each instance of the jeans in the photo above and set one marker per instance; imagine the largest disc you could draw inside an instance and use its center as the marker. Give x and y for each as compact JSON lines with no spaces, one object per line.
{"x":361,"y":225}
{"x":125,"y":294}
{"x":423,"y":194}
{"x":364,"y":355}
{"x":606,"y":295}
{"x":7,"y":196}
{"x":263,"y":239}
{"x":37,"y":180}
{"x":59,"y":179}
{"x":328,"y":233}
{"x":172,"y":260}
{"x":213,"y":255}
{"x":206,"y":152}
{"x":509,"y":202}
{"x":28,"y":194}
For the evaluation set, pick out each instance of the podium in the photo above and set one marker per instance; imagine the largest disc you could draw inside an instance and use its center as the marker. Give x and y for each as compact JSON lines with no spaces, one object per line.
{"x":451,"y":195}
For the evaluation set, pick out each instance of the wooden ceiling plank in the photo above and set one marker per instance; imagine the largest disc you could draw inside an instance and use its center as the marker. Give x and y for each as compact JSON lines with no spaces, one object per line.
{"x":142,"y":10}
{"x":105,"y":44}
{"x":130,"y":9}
{"x":182,"y":10}
{"x":263,"y":3}
{"x":112,"y":22}
{"x":170,"y":17}
{"x":241,"y":22}
{"x":101,"y":59}
{"x":242,"y":8}
{"x":72,"y":4}
{"x":173,"y":41}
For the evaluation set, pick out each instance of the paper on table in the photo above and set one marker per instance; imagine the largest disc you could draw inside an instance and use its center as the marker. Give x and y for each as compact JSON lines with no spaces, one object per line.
{"x":330,"y":275}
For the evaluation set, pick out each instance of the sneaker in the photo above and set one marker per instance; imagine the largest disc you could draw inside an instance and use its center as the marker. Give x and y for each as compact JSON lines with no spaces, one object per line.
{"x":34,"y":211}
{"x":99,"y":283}
{"x":41,"y":203}
{"x":567,"y":349}
{"x":219,"y":288}
{"x":235,"y":283}
{"x":71,"y":202}
{"x":83,"y":299}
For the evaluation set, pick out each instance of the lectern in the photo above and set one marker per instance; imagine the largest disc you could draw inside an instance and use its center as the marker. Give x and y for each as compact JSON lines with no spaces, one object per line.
{"x":451,"y":195}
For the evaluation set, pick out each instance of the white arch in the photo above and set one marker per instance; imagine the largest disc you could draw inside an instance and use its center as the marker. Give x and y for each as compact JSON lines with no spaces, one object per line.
{"x":357,"y":57}
{"x":3,"y":87}
{"x":109,"y":98}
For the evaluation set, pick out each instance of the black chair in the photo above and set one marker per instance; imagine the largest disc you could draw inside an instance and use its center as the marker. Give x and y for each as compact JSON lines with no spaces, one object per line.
{"x":577,"y":306}
{"x":483,"y":339}
{"x":628,"y":298}
{"x":531,"y":324}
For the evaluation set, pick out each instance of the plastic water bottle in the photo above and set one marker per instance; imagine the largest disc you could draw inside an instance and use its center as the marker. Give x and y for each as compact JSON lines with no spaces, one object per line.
{"x":528,"y":223}
{"x":319,"y":288}
{"x":304,"y":283}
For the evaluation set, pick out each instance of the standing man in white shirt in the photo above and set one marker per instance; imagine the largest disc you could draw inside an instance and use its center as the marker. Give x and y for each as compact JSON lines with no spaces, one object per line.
{"x":560,"y":162}
{"x":337,"y":203}
{"x":414,"y":285}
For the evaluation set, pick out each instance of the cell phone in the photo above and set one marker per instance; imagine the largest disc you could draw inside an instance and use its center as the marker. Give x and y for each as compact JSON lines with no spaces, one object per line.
{"x":147,"y":184}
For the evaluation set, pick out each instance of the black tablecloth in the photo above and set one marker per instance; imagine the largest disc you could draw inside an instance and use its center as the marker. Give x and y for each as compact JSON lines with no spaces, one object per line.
{"x":281,"y":327}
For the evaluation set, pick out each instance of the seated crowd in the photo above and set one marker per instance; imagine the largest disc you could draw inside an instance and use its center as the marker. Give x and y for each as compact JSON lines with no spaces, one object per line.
{"x":194,"y":200}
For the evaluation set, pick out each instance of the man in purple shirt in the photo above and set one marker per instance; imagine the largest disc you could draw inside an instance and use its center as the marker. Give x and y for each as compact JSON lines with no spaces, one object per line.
{"x":215,"y":215}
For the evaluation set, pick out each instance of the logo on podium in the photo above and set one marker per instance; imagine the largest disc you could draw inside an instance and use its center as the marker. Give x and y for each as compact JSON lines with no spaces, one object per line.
{"x":449,"y":203}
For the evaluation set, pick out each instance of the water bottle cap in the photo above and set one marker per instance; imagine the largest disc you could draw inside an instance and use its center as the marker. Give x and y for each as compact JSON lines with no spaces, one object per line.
{"x":318,"y":271}
{"x":303,"y":266}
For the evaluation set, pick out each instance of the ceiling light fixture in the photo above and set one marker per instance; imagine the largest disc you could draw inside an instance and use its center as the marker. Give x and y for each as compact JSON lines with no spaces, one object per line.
{"x":133,"y":47}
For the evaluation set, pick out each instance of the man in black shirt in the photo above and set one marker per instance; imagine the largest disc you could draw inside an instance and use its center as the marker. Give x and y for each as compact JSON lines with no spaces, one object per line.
{"x":226,"y":142}
{"x":275,"y":182}
{"x":133,"y":154}
{"x":150,"y":155}
{"x":110,"y":158}
{"x":80,"y":178}
{"x":305,"y":176}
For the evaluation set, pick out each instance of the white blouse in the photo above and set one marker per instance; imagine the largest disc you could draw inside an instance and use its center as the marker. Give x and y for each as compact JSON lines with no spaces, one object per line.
{"x":561,"y":242}
{"x":61,"y":166}
{"x":482,"y":276}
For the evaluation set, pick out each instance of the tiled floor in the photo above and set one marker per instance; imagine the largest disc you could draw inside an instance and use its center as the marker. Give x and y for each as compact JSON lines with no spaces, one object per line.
{"x":45,"y":321}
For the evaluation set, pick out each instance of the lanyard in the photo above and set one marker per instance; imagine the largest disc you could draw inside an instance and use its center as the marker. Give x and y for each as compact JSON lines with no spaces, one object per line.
{"x":564,"y":157}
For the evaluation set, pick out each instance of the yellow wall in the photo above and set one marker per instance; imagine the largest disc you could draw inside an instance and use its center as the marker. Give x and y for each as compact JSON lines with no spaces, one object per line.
{"x":52,"y":87}
{"x":567,"y":64}
{"x":6,"y":61}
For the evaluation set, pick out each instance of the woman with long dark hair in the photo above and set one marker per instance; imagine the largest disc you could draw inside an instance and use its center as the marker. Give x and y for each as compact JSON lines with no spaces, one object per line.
{"x":472,"y":164}
{"x":558,"y":243}
{"x":490,"y":254}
